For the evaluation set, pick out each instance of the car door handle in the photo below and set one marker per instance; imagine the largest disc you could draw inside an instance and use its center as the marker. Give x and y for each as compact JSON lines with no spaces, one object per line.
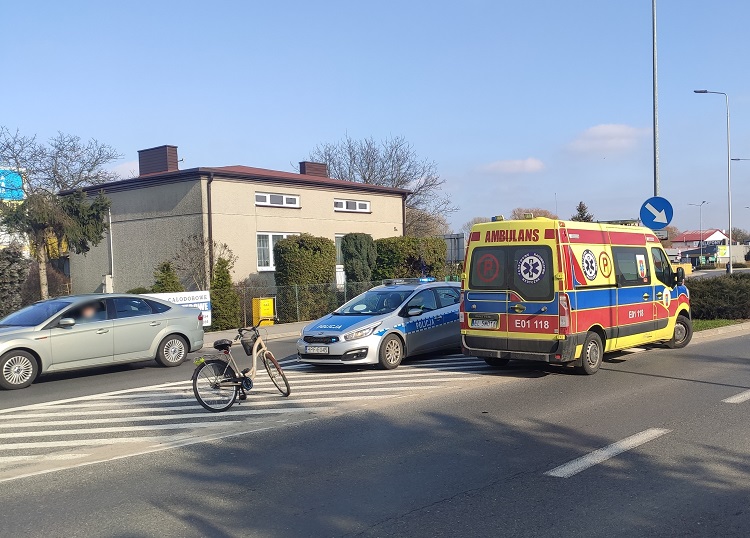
{"x":519,"y":308}
{"x":155,"y":323}
{"x":659,"y":295}
{"x":646,"y":296}
{"x":438,"y":317}
{"x":102,"y":331}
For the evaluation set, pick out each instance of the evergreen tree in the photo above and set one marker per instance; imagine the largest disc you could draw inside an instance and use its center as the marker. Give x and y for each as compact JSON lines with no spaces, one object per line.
{"x":14,"y":268}
{"x":165,"y":279}
{"x":582,"y":213}
{"x":225,"y":301}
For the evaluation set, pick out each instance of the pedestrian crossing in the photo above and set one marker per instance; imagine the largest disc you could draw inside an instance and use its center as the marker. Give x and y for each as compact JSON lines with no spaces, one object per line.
{"x":79,"y":431}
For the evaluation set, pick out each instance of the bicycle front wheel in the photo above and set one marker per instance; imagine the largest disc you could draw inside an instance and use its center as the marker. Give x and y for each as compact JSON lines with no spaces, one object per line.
{"x":212,"y":385}
{"x":276,"y":373}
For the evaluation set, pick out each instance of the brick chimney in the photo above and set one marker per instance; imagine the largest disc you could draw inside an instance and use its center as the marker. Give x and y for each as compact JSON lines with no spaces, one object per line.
{"x":313,"y":169}
{"x":158,"y":159}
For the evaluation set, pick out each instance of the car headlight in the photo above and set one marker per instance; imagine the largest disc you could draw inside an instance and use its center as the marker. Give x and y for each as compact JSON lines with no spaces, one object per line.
{"x":361,"y":333}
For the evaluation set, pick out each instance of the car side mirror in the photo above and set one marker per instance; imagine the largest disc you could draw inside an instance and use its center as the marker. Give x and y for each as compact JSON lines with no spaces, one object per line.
{"x":414,"y":312}
{"x":680,"y":276}
{"x":66,"y":322}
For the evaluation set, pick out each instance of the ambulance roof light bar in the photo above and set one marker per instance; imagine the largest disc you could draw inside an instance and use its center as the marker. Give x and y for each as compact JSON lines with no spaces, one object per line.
{"x":498,"y":218}
{"x":528,"y":216}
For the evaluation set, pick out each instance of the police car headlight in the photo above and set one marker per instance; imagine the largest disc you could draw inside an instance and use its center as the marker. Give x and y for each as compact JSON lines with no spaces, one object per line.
{"x":361,"y":333}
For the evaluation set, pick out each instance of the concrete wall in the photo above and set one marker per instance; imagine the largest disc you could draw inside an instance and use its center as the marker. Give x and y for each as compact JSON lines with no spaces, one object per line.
{"x":236,"y":218}
{"x":147,"y":227}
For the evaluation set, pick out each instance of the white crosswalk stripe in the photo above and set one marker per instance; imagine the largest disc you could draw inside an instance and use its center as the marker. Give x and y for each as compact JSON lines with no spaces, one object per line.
{"x":76,"y":431}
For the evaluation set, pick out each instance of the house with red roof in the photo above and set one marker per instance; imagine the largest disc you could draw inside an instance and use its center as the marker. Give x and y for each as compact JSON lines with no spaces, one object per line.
{"x":692,"y":238}
{"x":248,"y":208}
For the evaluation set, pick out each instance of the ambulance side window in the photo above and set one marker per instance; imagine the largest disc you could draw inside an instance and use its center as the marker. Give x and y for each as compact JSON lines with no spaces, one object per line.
{"x":662,"y":268}
{"x":631,"y":266}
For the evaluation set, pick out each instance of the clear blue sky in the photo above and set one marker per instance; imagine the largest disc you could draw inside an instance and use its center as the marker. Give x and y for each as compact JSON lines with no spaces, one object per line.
{"x":515,"y":101}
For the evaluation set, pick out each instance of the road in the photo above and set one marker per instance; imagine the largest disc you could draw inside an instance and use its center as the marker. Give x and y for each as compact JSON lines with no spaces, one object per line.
{"x":713,"y":273}
{"x":655,"y":444}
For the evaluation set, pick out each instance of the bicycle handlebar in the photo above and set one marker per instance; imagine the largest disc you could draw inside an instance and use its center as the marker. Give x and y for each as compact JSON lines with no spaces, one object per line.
{"x":243,"y":330}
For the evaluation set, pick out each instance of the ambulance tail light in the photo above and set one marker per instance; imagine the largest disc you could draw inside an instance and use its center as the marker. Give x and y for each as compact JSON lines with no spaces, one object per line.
{"x":564,"y":309}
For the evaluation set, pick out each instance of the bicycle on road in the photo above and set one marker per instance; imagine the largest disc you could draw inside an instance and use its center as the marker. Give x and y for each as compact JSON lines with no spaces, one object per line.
{"x":216,"y":383}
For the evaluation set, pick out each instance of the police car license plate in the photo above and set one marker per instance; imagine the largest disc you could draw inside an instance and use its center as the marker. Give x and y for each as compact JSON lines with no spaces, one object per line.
{"x":317,"y":350}
{"x":484,"y":323}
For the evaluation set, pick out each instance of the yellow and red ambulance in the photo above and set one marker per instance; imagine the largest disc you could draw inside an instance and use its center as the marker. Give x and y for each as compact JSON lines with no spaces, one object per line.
{"x":566,"y":292}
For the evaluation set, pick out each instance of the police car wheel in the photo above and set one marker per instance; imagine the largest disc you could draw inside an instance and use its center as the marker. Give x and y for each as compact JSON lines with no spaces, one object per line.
{"x":683,"y":333}
{"x":391,"y":352}
{"x":591,"y":356}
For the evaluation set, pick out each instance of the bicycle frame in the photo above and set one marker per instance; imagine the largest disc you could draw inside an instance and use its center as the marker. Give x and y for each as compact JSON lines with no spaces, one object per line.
{"x":227,"y":356}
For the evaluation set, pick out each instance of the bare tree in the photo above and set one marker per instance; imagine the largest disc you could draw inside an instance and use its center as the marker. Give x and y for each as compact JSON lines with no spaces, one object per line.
{"x":63,"y":163}
{"x":520,"y":212}
{"x":467,"y":226}
{"x":426,"y":224}
{"x":192,"y":259}
{"x":392,"y":162}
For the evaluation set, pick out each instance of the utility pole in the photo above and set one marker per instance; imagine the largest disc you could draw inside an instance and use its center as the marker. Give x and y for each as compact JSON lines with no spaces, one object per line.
{"x":655,"y":100}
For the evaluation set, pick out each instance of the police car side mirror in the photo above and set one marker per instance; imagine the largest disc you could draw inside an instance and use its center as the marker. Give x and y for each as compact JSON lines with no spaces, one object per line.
{"x":680,"y":276}
{"x":414,"y":312}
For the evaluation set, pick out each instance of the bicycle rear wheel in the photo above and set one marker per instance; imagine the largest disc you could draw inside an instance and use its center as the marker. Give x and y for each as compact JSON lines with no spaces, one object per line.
{"x":211,"y":388}
{"x":276,"y":373}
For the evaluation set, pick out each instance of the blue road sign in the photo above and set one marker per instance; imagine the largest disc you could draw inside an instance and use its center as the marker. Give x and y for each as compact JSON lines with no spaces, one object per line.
{"x":656,"y":213}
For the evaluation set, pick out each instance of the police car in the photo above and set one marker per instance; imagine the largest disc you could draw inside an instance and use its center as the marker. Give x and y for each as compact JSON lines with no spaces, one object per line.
{"x":385,"y":324}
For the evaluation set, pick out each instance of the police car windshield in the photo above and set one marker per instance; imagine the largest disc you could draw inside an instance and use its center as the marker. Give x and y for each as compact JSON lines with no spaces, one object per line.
{"x":374,"y":302}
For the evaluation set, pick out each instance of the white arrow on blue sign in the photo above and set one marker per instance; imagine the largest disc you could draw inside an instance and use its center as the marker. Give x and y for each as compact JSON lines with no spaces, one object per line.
{"x":656,"y":213}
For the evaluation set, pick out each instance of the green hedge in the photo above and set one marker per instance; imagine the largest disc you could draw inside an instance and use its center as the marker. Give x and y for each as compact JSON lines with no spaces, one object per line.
{"x":722,"y":297}
{"x":305,"y":269}
{"x":360,"y":255}
{"x":404,"y":257}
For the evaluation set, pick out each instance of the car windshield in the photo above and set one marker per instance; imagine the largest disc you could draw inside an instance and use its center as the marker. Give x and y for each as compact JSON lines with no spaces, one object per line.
{"x":374,"y":302}
{"x":33,"y":315}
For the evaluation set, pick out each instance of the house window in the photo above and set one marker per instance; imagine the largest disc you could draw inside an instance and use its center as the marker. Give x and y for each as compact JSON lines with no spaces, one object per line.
{"x":266,"y":242}
{"x":353,"y":206}
{"x":276,"y":200}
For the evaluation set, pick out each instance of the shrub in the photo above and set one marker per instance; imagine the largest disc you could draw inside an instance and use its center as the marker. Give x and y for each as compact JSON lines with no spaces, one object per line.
{"x":723,"y":297}
{"x":140,"y":290}
{"x":360,"y":255}
{"x":225,"y":301}
{"x":14,"y":269}
{"x":403,"y":257}
{"x":166,"y":279}
{"x":305,"y":269}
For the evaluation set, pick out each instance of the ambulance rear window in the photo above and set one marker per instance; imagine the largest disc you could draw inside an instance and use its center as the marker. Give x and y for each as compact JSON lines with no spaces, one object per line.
{"x":527,"y":270}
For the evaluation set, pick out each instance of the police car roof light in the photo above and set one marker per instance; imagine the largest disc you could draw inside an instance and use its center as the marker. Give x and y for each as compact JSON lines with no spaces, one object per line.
{"x":427,"y":279}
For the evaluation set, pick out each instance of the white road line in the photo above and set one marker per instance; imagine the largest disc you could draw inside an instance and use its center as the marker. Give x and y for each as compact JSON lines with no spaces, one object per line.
{"x":85,"y":442}
{"x":41,"y":457}
{"x":738,"y":398}
{"x":119,"y":429}
{"x":16,"y":424}
{"x":603,"y":454}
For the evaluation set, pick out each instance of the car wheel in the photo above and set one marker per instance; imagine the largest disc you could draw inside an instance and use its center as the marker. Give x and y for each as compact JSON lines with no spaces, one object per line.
{"x":496,"y":363}
{"x":391,"y":352}
{"x":683,"y":333}
{"x":592,"y":354}
{"x":172,"y":351}
{"x":18,"y":369}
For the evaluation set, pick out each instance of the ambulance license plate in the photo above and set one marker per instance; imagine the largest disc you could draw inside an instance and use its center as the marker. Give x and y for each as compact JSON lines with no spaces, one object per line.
{"x":316,"y":350}
{"x":484,"y":324}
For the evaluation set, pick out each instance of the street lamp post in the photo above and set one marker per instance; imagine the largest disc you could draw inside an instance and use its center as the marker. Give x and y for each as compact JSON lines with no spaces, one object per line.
{"x":700,"y":223}
{"x":729,"y":178}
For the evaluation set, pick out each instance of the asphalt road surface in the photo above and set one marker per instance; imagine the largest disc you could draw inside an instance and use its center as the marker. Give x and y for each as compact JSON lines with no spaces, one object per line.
{"x":655,"y":444}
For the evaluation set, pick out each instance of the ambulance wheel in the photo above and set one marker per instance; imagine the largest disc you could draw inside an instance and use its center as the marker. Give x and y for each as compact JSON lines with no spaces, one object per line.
{"x":496,"y":363}
{"x":591,"y":356}
{"x":683,"y":332}
{"x":391,"y":352}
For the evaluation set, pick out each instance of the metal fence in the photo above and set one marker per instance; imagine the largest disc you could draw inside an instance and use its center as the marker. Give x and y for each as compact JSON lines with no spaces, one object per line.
{"x":300,"y":302}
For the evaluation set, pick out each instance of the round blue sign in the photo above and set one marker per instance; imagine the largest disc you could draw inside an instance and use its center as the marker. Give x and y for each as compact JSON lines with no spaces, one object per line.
{"x":656,"y":213}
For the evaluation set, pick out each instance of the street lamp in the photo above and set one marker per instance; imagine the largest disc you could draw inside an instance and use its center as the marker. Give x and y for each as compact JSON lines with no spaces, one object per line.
{"x":729,"y":178}
{"x":700,"y":240}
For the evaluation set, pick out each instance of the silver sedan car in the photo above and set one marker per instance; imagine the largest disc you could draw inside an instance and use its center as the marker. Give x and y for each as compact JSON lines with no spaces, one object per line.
{"x":67,"y":333}
{"x":385,"y":324}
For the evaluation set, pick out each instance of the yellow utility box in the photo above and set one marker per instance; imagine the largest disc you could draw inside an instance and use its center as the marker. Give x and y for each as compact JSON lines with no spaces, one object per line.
{"x":264,"y":310}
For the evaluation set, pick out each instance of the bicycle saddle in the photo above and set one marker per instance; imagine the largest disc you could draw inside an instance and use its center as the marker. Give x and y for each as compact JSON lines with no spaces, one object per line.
{"x":223,"y":344}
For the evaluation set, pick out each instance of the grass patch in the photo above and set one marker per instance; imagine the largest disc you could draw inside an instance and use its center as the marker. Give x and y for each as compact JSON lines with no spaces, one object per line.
{"x":704,"y":324}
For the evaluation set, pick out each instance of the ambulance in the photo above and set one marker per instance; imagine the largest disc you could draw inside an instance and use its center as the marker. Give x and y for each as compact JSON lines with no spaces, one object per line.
{"x":566,"y":292}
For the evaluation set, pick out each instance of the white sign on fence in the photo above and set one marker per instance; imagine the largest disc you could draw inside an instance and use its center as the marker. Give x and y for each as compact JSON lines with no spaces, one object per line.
{"x":196,"y":299}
